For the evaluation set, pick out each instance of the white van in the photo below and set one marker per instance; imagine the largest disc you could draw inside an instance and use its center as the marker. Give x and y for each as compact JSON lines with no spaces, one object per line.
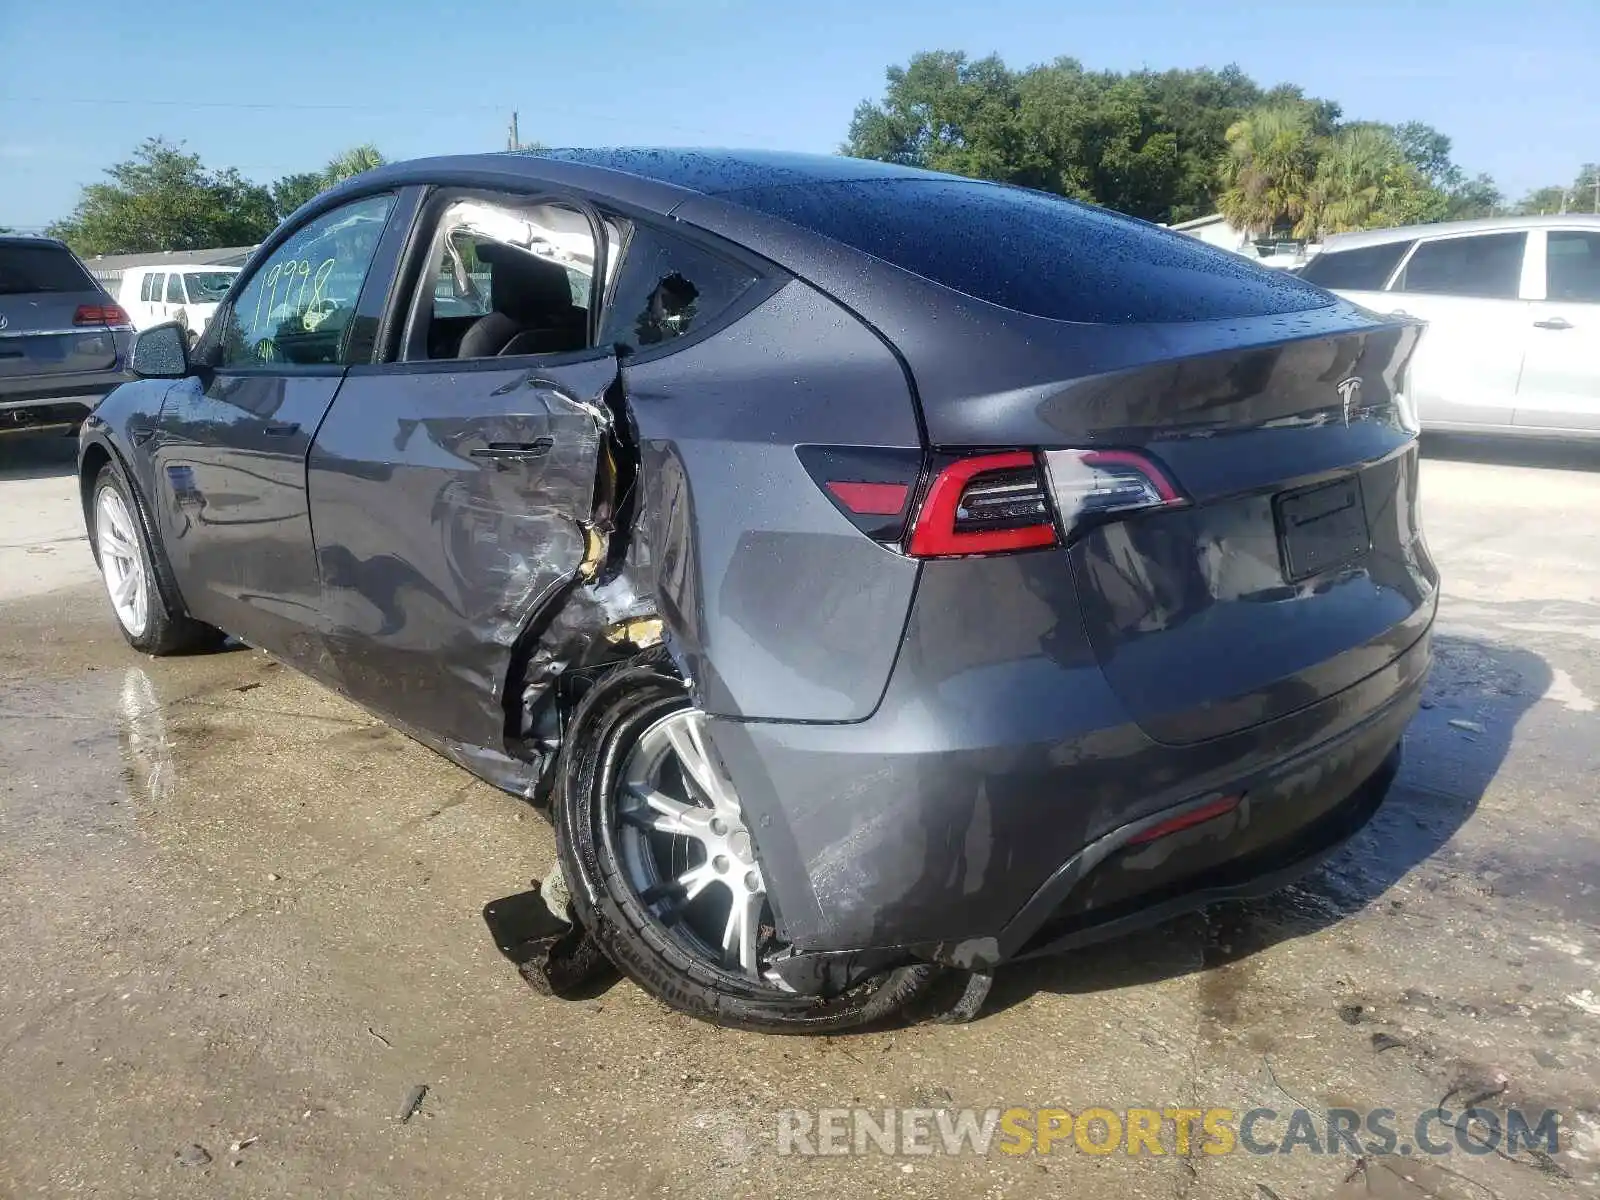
{"x":182,"y":293}
{"x":1513,"y":312}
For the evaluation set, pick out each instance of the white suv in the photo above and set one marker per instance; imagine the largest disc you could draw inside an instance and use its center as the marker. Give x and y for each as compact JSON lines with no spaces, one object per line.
{"x":1513,"y":312}
{"x":185,"y":294}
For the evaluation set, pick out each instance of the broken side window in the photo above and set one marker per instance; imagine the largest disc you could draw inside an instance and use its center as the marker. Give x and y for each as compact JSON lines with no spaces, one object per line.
{"x":667,"y":287}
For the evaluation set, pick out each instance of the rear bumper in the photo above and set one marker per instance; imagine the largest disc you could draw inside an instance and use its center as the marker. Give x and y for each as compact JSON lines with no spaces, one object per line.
{"x":29,"y":393}
{"x":1299,"y":816}
{"x":982,"y":812}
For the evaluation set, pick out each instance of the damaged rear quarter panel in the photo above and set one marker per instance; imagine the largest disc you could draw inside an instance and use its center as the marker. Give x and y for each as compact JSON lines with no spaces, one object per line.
{"x":778,"y":608}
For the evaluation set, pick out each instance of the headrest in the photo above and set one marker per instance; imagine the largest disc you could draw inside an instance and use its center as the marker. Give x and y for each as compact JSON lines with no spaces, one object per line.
{"x":523,"y":285}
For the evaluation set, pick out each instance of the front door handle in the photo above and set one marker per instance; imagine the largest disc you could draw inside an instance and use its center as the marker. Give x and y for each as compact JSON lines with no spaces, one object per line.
{"x":514,"y":452}
{"x":288,"y":430}
{"x":1398,"y":312}
{"x":1553,"y":323}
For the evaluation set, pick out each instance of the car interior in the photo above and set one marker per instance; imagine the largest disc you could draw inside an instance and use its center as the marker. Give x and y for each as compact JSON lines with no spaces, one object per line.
{"x":506,"y":280}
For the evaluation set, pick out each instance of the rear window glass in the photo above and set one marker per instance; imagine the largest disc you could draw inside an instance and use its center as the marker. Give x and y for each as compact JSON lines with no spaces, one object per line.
{"x":1034,"y":252}
{"x":1488,"y":266}
{"x":1363,"y":270}
{"x":1574,"y":266}
{"x":40,"y":269}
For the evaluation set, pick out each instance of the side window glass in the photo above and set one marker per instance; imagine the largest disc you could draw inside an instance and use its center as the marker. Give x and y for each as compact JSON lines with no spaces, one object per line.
{"x":1365,"y":269}
{"x":157,"y":282}
{"x":299,"y":301}
{"x":174,"y":289}
{"x":666,"y":288}
{"x":1488,"y":266}
{"x":507,"y":279}
{"x":1572,"y":266}
{"x":145,"y":285}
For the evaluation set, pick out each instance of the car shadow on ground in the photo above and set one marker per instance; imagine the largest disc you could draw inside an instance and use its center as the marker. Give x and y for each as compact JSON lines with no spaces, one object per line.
{"x":1550,"y":454}
{"x":37,"y":456}
{"x":1476,"y":693}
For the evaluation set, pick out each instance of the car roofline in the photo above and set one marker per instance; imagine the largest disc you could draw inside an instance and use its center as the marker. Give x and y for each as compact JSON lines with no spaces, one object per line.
{"x":501,"y":169}
{"x":33,"y":239}
{"x":1406,"y":233}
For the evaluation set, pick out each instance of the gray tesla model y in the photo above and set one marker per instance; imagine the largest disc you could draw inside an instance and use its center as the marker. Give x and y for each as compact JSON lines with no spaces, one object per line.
{"x":875,"y":574}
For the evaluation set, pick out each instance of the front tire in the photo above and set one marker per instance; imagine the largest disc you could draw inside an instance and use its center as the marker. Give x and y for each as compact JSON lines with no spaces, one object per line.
{"x":126,"y":555}
{"x":662,"y":871}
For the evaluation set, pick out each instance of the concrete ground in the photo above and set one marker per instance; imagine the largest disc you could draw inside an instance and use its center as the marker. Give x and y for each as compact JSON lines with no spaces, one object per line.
{"x":240,"y":923}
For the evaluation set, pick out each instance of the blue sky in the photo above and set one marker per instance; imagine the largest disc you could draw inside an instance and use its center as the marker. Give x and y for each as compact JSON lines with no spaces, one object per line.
{"x":275,"y":88}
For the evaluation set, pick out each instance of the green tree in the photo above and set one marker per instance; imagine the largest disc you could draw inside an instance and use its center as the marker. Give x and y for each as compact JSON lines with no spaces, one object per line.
{"x":1268,"y":167}
{"x":1586,"y":189}
{"x":1475,"y":197}
{"x":1366,"y":180}
{"x":1144,"y":143}
{"x":1097,"y":137}
{"x":1552,"y":199}
{"x":164,"y":199}
{"x":1198,"y":106}
{"x":352,"y":162}
{"x":290,"y":192}
{"x":1150,"y":143}
{"x":944,"y":113}
{"x":1428,"y":150}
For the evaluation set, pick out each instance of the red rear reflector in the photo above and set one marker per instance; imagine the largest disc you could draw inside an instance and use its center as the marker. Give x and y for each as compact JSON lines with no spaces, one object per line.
{"x":100,"y":314}
{"x":987,"y":504}
{"x":871,"y":499}
{"x":1187,"y":820}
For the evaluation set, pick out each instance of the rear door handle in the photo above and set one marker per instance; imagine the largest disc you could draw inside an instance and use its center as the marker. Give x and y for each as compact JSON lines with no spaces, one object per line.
{"x":514,"y":452}
{"x":1553,"y":323}
{"x":288,"y":430}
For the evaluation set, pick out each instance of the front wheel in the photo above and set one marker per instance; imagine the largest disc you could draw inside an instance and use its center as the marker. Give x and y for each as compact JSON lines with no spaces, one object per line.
{"x":664,"y":873}
{"x":127,"y":562}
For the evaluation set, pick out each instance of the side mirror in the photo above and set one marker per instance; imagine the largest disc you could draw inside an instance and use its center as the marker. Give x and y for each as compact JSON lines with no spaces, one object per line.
{"x":161,"y":352}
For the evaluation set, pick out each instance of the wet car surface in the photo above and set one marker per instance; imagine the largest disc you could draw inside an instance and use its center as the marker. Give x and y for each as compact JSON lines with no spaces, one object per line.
{"x":235,"y":907}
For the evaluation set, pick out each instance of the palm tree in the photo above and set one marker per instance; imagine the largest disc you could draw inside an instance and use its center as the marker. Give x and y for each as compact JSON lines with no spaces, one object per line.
{"x":1355,"y":180}
{"x":1364,"y":181}
{"x":352,"y":162}
{"x":1268,"y":167}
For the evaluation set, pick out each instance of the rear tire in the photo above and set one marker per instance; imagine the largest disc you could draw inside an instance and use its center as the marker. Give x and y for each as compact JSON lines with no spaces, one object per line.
{"x":143,"y":597}
{"x":638,"y":702}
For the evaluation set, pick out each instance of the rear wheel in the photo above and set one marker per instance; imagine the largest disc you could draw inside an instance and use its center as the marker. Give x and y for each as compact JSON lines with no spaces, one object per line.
{"x":128,"y":565}
{"x":665,"y":875}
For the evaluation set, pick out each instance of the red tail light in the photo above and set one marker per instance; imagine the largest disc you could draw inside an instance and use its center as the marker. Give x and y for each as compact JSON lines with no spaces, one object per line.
{"x":100,"y":314}
{"x":992,"y":503}
{"x":984,"y":505}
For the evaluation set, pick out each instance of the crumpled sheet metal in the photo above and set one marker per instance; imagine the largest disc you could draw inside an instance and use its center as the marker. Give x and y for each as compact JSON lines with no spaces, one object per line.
{"x":578,"y":628}
{"x":435,"y":595}
{"x":512,"y":542}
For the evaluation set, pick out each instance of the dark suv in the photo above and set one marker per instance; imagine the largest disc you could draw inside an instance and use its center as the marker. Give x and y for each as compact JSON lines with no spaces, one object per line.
{"x":63,"y":342}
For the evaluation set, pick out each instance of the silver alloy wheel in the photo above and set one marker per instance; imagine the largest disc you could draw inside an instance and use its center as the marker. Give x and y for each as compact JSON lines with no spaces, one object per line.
{"x":685,"y":846}
{"x":122,"y":562}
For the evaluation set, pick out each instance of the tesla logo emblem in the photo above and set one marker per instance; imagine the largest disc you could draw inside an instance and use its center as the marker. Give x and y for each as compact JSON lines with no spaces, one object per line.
{"x":4,"y":320}
{"x":1349,"y":394}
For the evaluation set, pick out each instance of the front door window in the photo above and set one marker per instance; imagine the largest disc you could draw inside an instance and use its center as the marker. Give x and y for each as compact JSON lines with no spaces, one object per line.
{"x":298,"y":305}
